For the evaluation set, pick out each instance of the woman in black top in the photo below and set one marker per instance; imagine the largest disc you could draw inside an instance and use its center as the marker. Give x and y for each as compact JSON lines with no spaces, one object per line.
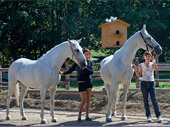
{"x":84,"y":84}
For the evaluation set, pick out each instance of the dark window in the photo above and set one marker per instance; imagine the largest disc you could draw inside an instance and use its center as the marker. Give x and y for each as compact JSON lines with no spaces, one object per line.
{"x":117,"y":32}
{"x":117,"y":43}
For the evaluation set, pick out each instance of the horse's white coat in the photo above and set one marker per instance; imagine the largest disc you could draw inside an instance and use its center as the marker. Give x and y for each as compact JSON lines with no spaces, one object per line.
{"x":117,"y":69}
{"x":42,"y":73}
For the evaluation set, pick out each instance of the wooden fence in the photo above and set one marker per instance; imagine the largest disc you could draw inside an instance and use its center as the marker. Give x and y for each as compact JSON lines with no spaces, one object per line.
{"x":96,"y":76}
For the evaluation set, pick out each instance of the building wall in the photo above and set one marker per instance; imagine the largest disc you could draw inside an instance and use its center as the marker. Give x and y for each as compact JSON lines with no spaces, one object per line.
{"x":108,"y":35}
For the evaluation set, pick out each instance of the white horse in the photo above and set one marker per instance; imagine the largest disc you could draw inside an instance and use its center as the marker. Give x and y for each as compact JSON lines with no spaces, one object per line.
{"x":42,"y":73}
{"x":117,"y":69}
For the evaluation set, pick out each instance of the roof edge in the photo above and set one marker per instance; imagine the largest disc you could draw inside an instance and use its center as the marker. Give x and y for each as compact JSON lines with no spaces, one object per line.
{"x":118,"y":20}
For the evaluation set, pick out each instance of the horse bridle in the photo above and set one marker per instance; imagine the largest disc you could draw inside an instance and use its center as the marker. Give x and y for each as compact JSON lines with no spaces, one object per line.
{"x":147,"y":45}
{"x":145,"y":42}
{"x":73,"y":54}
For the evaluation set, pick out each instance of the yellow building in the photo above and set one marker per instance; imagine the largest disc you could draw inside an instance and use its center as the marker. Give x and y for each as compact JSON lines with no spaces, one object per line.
{"x":114,"y":34}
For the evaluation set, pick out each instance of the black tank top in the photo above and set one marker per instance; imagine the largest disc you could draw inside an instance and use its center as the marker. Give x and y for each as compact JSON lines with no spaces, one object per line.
{"x":82,"y":74}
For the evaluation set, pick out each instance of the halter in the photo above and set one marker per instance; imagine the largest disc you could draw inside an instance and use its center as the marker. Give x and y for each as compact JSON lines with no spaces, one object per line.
{"x":73,"y":54}
{"x":147,"y":45}
{"x":145,"y":42}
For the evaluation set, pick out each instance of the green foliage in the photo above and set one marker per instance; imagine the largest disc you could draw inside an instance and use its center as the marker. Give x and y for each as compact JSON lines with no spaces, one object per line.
{"x":31,"y":28}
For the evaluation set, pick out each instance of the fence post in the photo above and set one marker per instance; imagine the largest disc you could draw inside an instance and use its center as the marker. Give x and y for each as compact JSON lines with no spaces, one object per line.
{"x":67,"y":76}
{"x":137,"y":83}
{"x":0,"y":77}
{"x":157,"y":73}
{"x":136,"y":78}
{"x":137,"y":61}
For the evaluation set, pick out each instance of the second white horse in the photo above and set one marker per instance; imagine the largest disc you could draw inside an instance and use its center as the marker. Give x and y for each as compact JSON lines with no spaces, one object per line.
{"x":117,"y":69}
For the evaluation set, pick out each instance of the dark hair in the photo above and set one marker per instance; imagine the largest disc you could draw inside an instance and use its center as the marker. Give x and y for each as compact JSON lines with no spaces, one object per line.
{"x":86,"y":50}
{"x":147,"y":53}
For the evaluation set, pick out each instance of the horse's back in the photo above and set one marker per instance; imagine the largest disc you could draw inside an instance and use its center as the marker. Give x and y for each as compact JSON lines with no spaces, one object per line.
{"x":16,"y":66}
{"x":24,"y":61}
{"x":110,"y":59}
{"x":106,"y":60}
{"x":105,"y":68}
{"x":20,"y":62}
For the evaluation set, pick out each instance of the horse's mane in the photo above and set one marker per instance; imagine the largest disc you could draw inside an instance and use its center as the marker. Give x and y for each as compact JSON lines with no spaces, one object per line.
{"x":49,"y":51}
{"x":129,"y":39}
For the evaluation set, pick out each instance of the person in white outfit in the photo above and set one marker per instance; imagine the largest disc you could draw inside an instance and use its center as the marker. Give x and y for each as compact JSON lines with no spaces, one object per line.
{"x":146,"y":69}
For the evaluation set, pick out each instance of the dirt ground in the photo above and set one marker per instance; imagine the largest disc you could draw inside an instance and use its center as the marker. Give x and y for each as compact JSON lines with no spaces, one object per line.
{"x":66,"y":111}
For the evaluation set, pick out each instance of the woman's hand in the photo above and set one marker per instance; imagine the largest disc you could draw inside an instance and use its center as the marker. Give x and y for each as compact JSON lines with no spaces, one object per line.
{"x":155,"y":67}
{"x":60,"y":72}
{"x":138,"y":72}
{"x":133,"y":66}
{"x":152,"y":58}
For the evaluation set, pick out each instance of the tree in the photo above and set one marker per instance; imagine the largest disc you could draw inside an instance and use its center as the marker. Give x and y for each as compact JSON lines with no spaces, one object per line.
{"x":31,"y":28}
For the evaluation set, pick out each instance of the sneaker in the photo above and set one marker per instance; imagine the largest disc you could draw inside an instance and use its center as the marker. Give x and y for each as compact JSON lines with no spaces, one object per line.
{"x":149,"y":119}
{"x":159,"y":119}
{"x":88,"y":119}
{"x":79,"y":120}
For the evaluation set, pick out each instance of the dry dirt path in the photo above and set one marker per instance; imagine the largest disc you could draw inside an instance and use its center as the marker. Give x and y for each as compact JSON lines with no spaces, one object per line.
{"x":68,"y":118}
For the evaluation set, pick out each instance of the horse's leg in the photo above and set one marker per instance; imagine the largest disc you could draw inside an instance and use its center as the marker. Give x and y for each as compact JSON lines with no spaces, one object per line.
{"x":42,"y":101}
{"x":21,"y":99}
{"x":125,"y":90}
{"x":115,"y":102}
{"x":114,"y":87}
{"x":107,"y":88}
{"x":52,"y":97}
{"x":10,"y":90}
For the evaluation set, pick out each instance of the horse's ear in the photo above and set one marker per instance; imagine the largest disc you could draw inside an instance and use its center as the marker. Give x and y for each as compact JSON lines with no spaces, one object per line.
{"x":144,"y":27}
{"x":79,"y":40}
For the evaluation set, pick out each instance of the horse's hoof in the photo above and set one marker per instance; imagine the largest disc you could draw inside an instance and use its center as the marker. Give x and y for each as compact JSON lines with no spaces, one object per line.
{"x":114,"y":114}
{"x":108,"y":120}
{"x":54,"y":120}
{"x":24,"y":118}
{"x":8,"y":118}
{"x":44,"y":121}
{"x":124,"y":118}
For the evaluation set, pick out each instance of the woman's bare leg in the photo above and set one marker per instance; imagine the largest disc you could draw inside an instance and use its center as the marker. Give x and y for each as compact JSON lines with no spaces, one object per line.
{"x":88,"y":91}
{"x":83,"y":96}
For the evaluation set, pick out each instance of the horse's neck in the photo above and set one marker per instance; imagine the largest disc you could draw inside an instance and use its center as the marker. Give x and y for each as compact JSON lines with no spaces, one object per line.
{"x":57,"y":56}
{"x":130,"y":48}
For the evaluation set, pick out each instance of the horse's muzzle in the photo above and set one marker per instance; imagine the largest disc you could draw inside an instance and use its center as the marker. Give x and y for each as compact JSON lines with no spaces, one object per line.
{"x":158,"y":50}
{"x":83,"y":64}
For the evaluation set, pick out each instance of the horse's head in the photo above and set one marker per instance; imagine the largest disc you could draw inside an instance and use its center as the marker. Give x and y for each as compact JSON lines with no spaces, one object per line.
{"x":149,"y":43}
{"x":77,"y":53}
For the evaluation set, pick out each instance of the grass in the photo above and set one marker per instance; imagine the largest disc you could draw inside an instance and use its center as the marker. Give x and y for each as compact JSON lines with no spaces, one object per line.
{"x":98,"y":85}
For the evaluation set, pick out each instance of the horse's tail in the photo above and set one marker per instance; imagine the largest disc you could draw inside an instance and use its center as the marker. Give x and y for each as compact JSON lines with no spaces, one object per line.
{"x":13,"y":82}
{"x":16,"y":94}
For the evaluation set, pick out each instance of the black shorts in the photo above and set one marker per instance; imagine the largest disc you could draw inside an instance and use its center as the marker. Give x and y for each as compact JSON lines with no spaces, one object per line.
{"x":84,"y":85}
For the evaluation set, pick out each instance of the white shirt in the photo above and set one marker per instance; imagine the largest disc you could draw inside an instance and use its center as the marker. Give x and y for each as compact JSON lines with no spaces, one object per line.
{"x":147,"y":72}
